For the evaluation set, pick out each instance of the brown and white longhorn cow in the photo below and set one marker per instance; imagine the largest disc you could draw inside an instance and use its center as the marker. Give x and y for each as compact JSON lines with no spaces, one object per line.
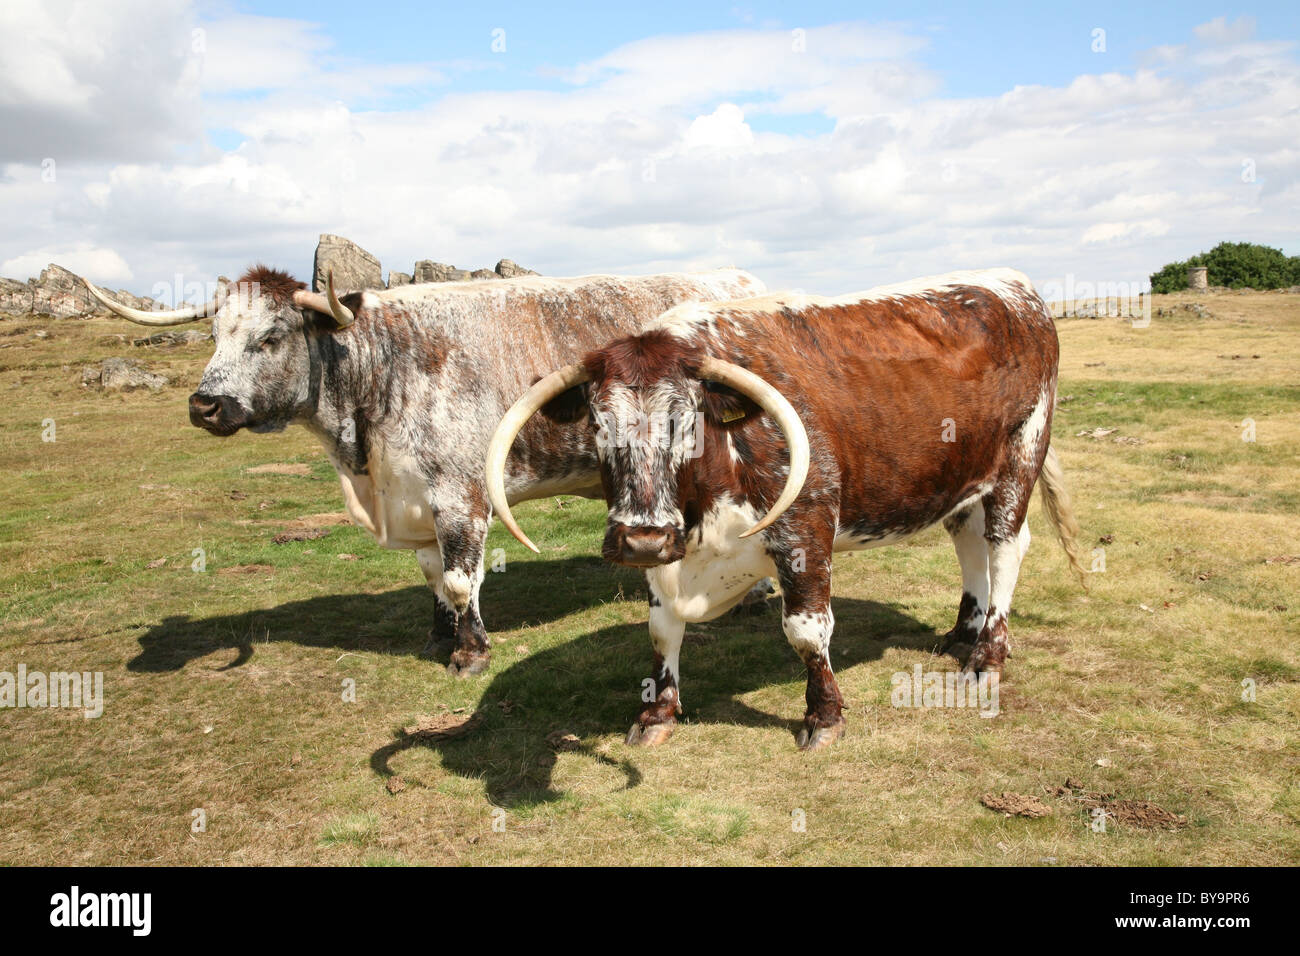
{"x":403,"y":388}
{"x":843,"y":424}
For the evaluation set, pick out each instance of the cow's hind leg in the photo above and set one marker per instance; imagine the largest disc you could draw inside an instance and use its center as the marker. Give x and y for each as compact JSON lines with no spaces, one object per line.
{"x":1007,"y":537}
{"x":658,"y":717}
{"x":966,"y":528}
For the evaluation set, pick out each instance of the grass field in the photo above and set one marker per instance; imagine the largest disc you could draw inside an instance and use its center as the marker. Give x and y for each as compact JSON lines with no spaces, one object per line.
{"x":224,"y":689}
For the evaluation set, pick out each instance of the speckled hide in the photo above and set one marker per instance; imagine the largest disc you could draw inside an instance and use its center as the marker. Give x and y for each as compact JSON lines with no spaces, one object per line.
{"x":927,"y":402}
{"x":405,"y":398}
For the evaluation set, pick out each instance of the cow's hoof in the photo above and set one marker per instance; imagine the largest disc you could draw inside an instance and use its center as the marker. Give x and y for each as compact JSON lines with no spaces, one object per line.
{"x":819,"y":738}
{"x":649,"y":736}
{"x":987,"y":658}
{"x":467,"y":665}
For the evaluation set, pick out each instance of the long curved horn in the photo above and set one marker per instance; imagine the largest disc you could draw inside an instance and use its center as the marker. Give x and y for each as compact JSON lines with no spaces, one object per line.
{"x":327,"y":304}
{"x":144,"y":317}
{"x":775,"y":404}
{"x":511,"y":424}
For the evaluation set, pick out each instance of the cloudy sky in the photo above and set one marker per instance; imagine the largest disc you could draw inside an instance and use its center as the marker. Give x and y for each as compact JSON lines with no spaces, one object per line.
{"x":827,"y":147}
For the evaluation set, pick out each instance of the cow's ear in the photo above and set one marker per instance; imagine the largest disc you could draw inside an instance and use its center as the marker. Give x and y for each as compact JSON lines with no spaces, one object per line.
{"x":727,"y":408}
{"x":354,"y":302}
{"x":567,"y":407}
{"x":317,"y":315}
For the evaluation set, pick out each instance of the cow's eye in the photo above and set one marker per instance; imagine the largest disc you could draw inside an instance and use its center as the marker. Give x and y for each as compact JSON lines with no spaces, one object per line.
{"x":269,"y":343}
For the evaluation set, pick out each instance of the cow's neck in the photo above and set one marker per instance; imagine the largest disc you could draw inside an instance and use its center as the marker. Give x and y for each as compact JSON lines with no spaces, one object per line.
{"x":363,"y":378}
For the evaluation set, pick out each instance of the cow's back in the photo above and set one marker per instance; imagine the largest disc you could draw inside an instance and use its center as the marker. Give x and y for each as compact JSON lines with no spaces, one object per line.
{"x":503,"y":335}
{"x":512,"y":331}
{"x":905,"y":388}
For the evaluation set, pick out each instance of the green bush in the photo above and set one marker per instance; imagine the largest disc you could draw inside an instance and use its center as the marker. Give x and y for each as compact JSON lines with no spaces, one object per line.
{"x":1236,"y":265}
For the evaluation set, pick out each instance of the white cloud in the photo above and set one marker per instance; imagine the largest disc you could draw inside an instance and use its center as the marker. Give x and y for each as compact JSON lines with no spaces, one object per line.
{"x":1219,"y":30}
{"x":670,"y":152}
{"x":724,"y":130}
{"x":94,"y":81}
{"x":1112,"y":231}
{"x":98,"y":265}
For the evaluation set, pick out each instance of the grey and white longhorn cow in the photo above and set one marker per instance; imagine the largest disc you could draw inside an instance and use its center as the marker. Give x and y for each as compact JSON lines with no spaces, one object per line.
{"x":404,"y":387}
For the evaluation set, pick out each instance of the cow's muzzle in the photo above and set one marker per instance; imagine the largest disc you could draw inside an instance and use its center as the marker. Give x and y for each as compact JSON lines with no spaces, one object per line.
{"x":218,"y":414}
{"x":643,"y":547}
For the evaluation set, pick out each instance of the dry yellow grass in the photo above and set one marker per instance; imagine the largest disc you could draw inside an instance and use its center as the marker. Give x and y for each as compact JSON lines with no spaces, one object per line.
{"x":224,"y":688}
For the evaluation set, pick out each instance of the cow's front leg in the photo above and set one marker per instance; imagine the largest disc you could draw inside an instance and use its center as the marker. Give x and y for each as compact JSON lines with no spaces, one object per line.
{"x":442,"y":636}
{"x":461,"y":541}
{"x":807,"y":621}
{"x":809,"y":633}
{"x":658,"y":717}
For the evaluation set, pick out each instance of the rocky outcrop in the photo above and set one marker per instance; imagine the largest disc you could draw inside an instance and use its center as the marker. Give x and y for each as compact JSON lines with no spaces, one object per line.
{"x":59,"y":293}
{"x":426,"y":270}
{"x":354,"y":268}
{"x":15,"y":296}
{"x":508,"y":269}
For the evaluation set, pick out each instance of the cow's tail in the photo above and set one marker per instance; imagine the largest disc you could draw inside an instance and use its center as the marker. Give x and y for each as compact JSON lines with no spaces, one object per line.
{"x":1056,"y":502}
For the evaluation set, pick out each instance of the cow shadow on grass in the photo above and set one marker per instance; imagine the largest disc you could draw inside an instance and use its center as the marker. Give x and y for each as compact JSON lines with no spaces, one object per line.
{"x":589,"y":686}
{"x":393,"y":622}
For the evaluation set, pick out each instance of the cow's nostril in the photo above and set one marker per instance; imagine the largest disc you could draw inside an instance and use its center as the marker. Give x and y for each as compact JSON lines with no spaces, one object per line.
{"x":205,"y":408}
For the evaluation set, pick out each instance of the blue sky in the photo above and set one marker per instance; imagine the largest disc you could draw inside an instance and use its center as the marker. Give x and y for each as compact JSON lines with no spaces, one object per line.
{"x":979,"y":49}
{"x":902,"y":141}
